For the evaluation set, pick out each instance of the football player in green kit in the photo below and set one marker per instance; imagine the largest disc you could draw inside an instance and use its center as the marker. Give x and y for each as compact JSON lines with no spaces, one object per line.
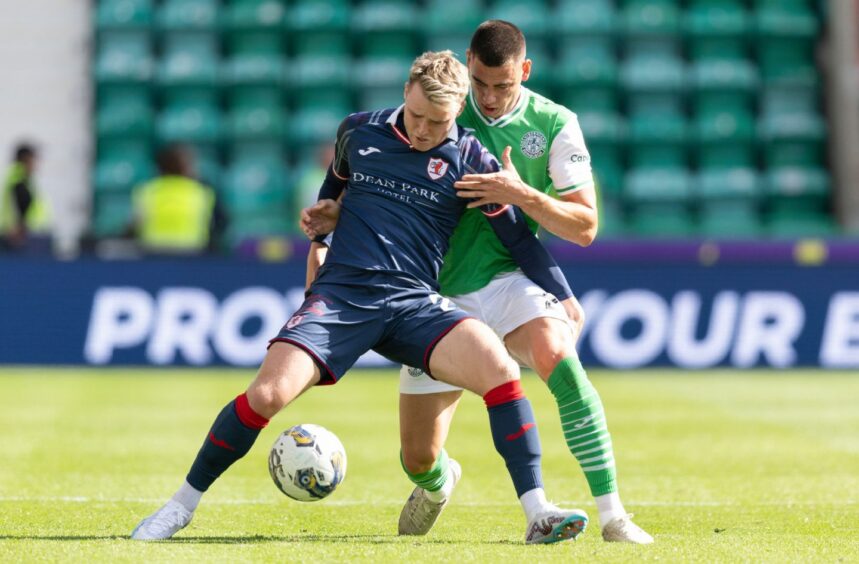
{"x":543,"y":153}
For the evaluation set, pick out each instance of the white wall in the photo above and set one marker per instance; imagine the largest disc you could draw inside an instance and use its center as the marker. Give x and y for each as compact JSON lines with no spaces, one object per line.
{"x":45,"y":97}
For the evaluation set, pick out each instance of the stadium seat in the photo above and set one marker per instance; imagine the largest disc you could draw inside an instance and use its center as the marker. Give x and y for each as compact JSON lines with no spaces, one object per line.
{"x":611,"y":219}
{"x":531,"y":17}
{"x":797,"y":225}
{"x":385,"y":60}
{"x":317,"y":116}
{"x":383,"y":16}
{"x":124,"y":57}
{"x":717,"y":29}
{"x":576,"y":19}
{"x":654,"y":67}
{"x":255,"y":185}
{"x":182,"y":15}
{"x":189,"y":59}
{"x":651,"y":17}
{"x":661,"y":221}
{"x":658,"y":140}
{"x":121,"y":165}
{"x":729,"y":201}
{"x":255,"y":59}
{"x":124,"y":112}
{"x":786,"y":32}
{"x":606,"y":163}
{"x":583,"y":64}
{"x":243,"y":227}
{"x":438,"y":19}
{"x":322,"y":61}
{"x":724,"y":136}
{"x":253,"y":15}
{"x":123,"y":14}
{"x":256,"y":114}
{"x":319,"y":16}
{"x":190,"y":116}
{"x":112,"y":214}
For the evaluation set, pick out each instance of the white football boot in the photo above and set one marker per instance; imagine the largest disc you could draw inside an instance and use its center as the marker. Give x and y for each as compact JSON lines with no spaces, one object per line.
{"x":556,"y":525}
{"x":420,"y":513}
{"x":164,"y":523}
{"x":622,"y":529}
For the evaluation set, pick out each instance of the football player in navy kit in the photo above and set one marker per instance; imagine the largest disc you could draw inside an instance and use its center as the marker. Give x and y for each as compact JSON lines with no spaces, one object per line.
{"x":378,"y":290}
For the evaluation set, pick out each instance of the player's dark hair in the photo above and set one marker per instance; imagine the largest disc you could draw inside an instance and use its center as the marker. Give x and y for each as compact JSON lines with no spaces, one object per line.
{"x":175,"y":160}
{"x":24,"y":151}
{"x":497,"y":42}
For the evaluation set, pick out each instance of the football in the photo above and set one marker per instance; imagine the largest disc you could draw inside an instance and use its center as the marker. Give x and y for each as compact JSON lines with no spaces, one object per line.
{"x":307,"y":462}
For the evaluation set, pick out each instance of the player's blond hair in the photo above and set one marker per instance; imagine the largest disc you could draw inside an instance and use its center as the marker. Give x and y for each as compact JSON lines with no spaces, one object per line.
{"x":441,"y":76}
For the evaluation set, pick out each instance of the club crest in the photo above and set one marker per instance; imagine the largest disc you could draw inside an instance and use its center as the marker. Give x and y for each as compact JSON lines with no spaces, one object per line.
{"x":437,"y":168}
{"x":533,"y":144}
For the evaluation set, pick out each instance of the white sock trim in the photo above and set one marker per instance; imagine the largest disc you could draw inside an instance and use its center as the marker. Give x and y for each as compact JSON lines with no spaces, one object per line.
{"x":610,"y":507}
{"x":188,"y":496}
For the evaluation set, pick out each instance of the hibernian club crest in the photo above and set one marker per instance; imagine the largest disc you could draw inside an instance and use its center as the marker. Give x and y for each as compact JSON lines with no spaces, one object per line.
{"x":533,"y":144}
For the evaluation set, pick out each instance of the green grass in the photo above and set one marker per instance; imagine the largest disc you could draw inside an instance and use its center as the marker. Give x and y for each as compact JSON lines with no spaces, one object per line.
{"x":719,"y":466}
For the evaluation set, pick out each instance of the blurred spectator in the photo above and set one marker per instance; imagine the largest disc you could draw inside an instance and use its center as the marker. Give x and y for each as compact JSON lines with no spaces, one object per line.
{"x":175,"y":214}
{"x":23,"y":214}
{"x":309,"y":181}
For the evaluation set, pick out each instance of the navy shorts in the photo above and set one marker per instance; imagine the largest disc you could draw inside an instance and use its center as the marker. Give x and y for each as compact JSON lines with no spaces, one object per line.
{"x":351,"y":311}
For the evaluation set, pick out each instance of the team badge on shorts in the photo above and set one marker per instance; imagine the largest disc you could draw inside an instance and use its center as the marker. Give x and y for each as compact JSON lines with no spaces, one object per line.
{"x":533,"y":144}
{"x":415,"y":372}
{"x":436,"y":168}
{"x":293,"y":321}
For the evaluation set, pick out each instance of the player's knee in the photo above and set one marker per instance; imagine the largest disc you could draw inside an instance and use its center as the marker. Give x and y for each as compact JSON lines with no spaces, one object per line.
{"x":418,"y":461}
{"x":547,"y":358}
{"x":577,"y":317}
{"x":265,"y":400}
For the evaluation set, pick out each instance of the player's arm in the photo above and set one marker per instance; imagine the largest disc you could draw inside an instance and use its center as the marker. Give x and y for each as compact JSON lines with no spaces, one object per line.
{"x":512,"y":230}
{"x":573,"y":216}
{"x":336,"y":179}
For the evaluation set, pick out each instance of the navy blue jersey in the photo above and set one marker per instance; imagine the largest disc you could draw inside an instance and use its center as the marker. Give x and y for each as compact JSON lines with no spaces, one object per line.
{"x":400,"y":207}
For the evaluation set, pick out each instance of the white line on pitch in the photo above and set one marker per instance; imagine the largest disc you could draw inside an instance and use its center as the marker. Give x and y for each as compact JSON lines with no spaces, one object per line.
{"x":84,"y":499}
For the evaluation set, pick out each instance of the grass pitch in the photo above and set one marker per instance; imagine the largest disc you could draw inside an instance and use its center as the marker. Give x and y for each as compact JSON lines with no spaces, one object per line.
{"x":718,"y":466}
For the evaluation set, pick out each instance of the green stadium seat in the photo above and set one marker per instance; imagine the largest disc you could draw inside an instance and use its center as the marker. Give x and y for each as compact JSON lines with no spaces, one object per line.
{"x":378,"y":98}
{"x":723,"y":75}
{"x":255,"y":185}
{"x":317,"y":116}
{"x":786,"y":34}
{"x":112,"y":214}
{"x":319,"y":16}
{"x":611,"y":220}
{"x":606,"y":162}
{"x":183,"y":15}
{"x":189,"y":59}
{"x":729,"y":201}
{"x":651,"y":17}
{"x":190,"y":116}
{"x":797,"y":183}
{"x":660,"y":222}
{"x":728,"y":221}
{"x":208,"y":167}
{"x":124,"y":57}
{"x":123,"y":14}
{"x":322,"y":61}
{"x":124,"y":112}
{"x":438,"y":19}
{"x":656,"y":69}
{"x":576,"y":19}
{"x":793,"y":225}
{"x":253,"y":15}
{"x":658,"y":185}
{"x":658,"y":140}
{"x":725,"y":137}
{"x":255,"y":59}
{"x":385,"y":60}
{"x":381,"y":16}
{"x":531,"y":17}
{"x":256,"y":115}
{"x":121,"y":165}
{"x":583,"y":65}
{"x":717,"y":29}
{"x":243,"y":227}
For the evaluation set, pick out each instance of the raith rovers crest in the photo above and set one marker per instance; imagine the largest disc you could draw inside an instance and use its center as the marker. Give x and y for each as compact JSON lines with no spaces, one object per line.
{"x":533,"y":144}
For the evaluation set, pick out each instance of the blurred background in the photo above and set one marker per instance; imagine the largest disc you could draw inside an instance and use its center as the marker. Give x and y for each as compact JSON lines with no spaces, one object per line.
{"x":724,"y":137}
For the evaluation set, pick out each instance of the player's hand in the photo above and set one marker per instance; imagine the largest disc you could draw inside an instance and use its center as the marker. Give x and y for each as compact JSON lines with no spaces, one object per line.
{"x":502,"y":187}
{"x":320,"y":218}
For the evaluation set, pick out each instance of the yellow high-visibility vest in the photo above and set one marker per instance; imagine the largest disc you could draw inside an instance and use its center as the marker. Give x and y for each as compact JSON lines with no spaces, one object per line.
{"x":36,"y":220}
{"x":173,"y":213}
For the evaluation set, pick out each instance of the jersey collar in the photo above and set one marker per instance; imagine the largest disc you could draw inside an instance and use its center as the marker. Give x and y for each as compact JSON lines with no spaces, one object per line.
{"x":452,"y":134}
{"x":501,"y":121}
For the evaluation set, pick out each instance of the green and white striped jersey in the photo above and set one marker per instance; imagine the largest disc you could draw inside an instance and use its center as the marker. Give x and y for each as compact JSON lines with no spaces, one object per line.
{"x":548,"y":151}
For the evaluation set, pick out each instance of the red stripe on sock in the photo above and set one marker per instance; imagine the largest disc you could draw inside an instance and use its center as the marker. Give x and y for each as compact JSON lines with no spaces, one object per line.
{"x":504,"y":393}
{"x":248,"y":416}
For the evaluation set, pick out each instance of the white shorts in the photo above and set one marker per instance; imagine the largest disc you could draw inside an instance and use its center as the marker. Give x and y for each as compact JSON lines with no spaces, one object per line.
{"x":509,"y":301}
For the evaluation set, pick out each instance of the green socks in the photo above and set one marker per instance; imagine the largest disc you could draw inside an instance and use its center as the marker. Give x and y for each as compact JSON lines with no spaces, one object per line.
{"x":433,"y":479}
{"x":584,"y":424}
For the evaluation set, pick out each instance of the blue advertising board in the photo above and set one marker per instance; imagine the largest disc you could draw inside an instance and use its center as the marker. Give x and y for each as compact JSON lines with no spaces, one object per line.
{"x":218,"y":312}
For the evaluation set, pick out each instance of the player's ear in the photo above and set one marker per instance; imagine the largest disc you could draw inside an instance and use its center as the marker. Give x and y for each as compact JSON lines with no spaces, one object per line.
{"x":461,"y":108}
{"x":526,"y":69}
{"x":406,"y":90}
{"x":468,"y":57}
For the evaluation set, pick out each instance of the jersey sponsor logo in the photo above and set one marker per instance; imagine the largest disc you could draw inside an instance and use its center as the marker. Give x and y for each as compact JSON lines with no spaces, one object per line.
{"x":533,"y":144}
{"x":368,"y":151}
{"x":437,"y":168}
{"x":580,"y":158}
